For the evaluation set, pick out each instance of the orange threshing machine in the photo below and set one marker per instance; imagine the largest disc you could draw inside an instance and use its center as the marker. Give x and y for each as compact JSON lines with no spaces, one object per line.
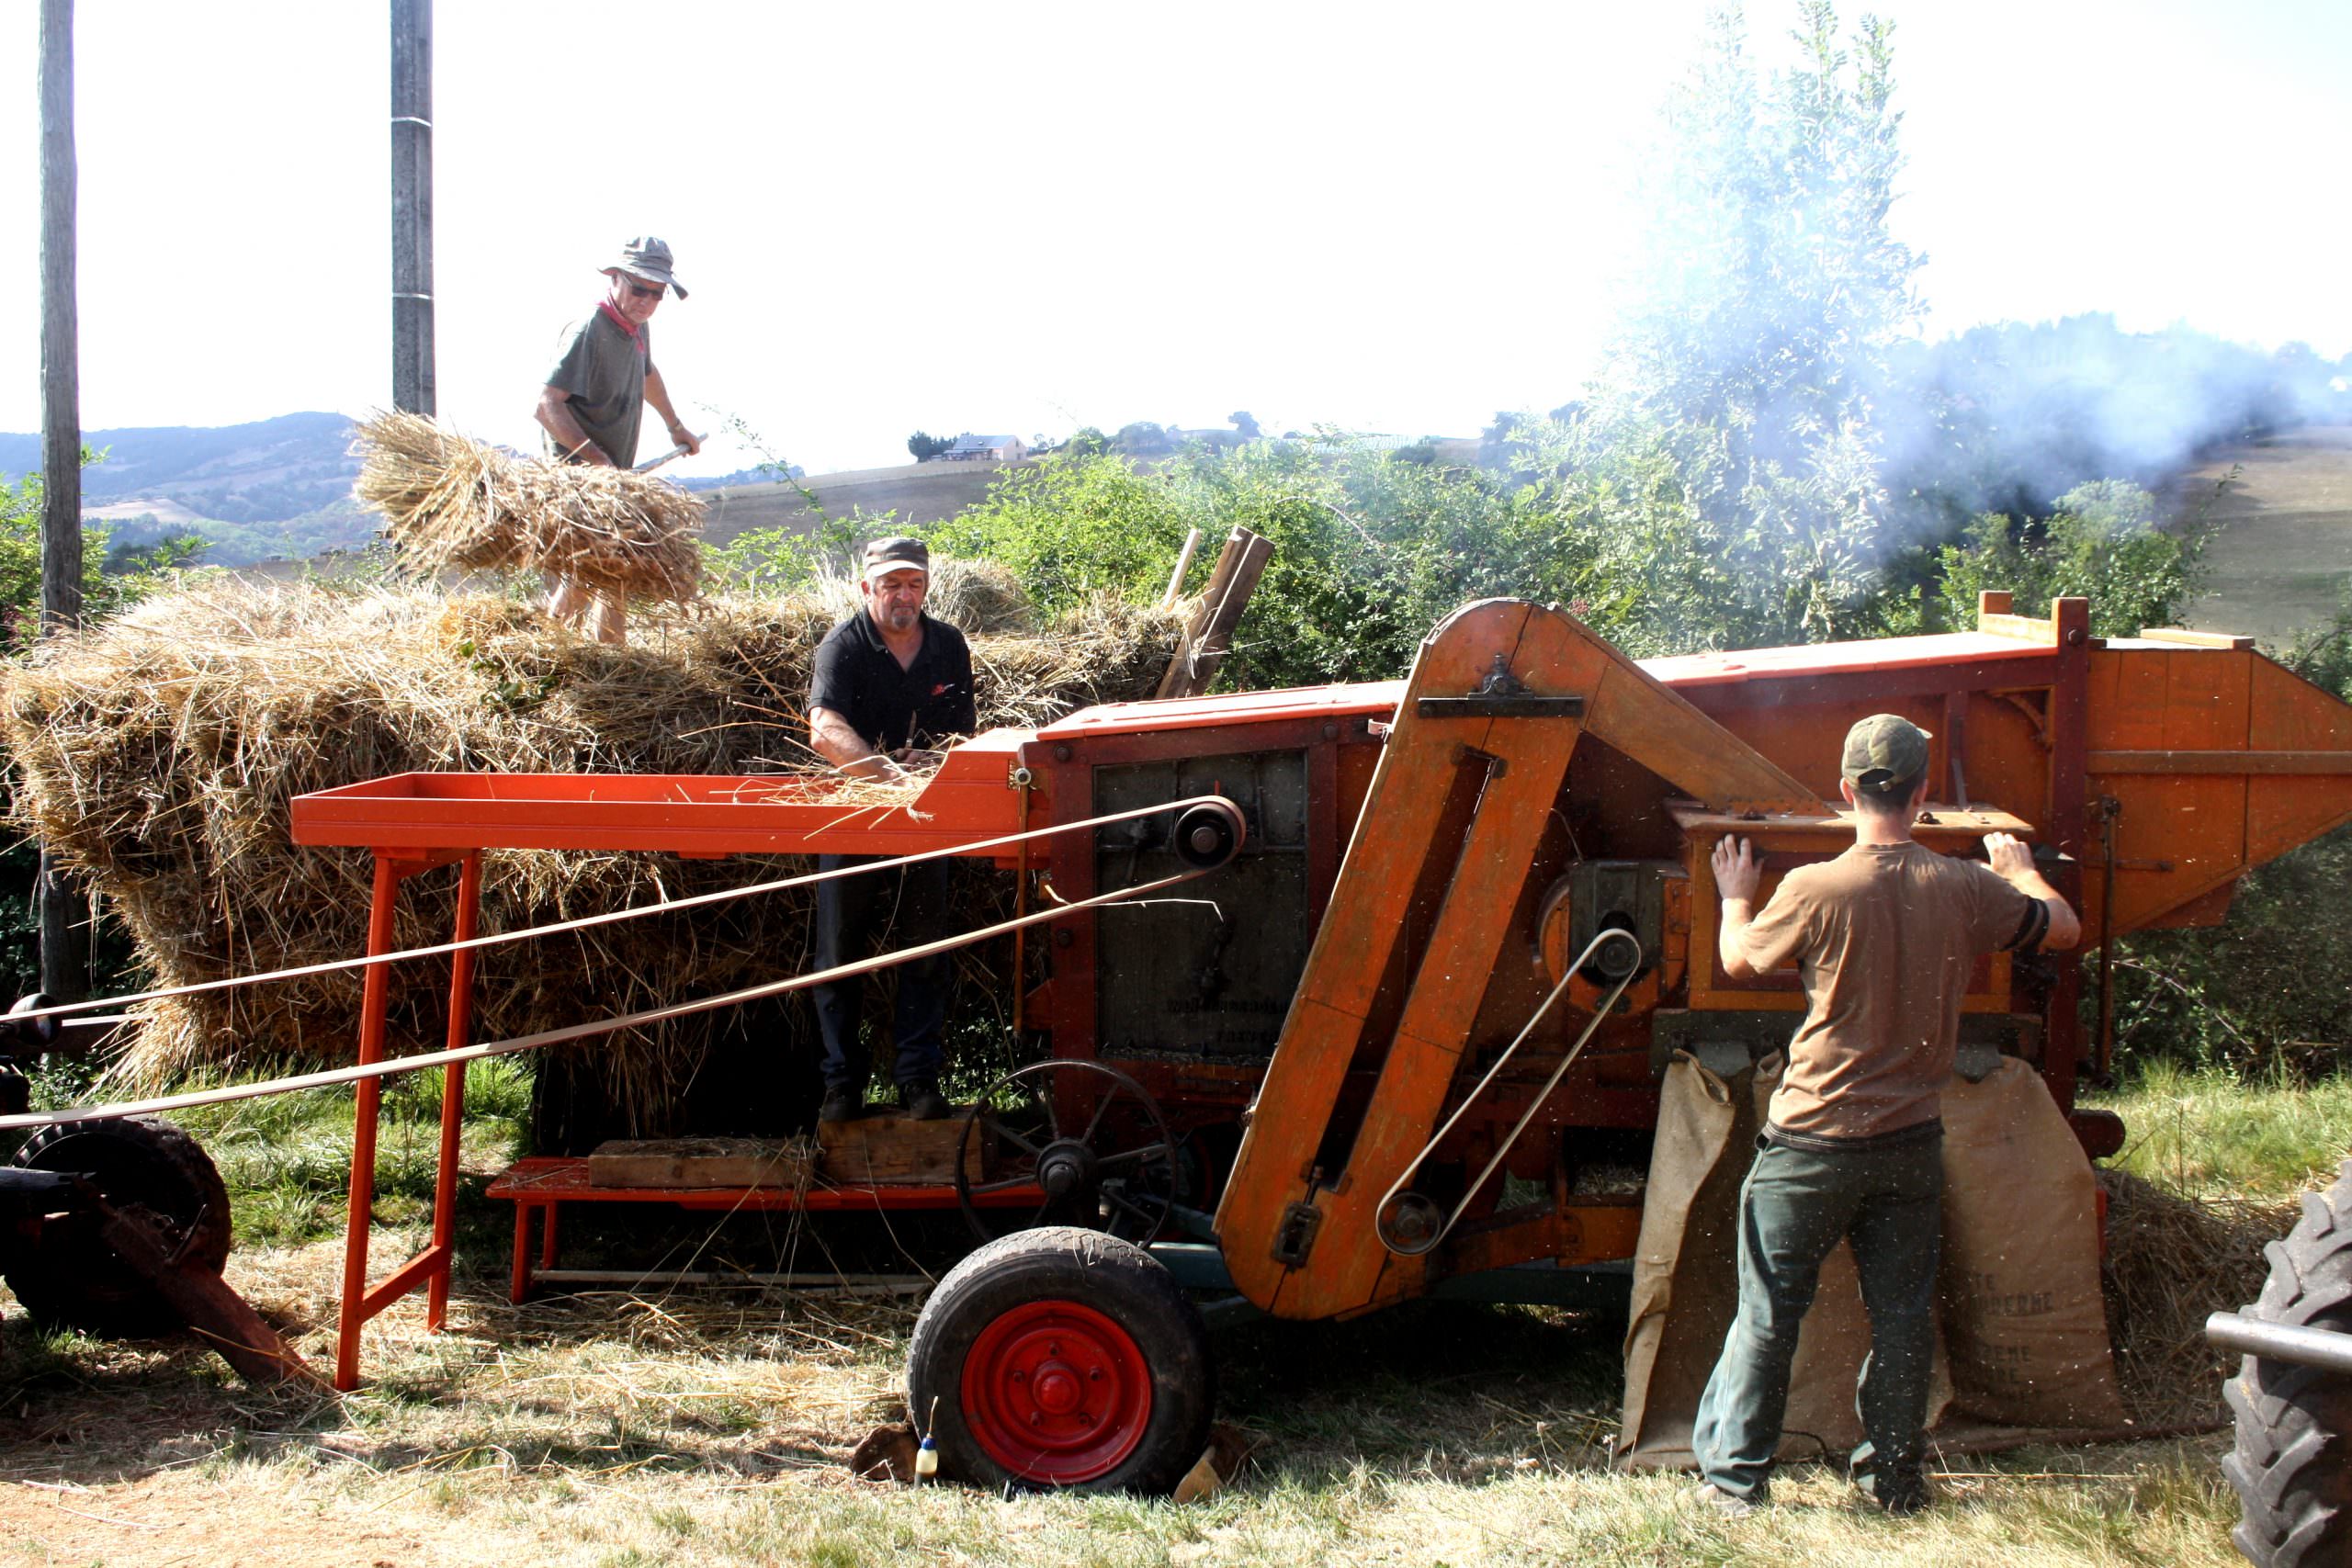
{"x":1400,"y":1033}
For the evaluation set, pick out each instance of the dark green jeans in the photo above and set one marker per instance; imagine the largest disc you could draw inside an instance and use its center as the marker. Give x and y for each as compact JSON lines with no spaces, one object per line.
{"x":1794,"y":1208}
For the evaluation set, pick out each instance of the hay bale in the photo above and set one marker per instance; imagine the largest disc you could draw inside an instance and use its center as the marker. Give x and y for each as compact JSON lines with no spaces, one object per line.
{"x":2170,"y":1260}
{"x":157,"y":756}
{"x":449,"y":502}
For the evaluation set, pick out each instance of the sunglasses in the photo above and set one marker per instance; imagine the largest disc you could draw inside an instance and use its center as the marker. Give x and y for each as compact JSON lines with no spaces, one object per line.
{"x":639,"y":291}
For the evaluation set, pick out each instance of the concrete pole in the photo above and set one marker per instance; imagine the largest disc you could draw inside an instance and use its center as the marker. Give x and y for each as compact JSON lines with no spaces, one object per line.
{"x":412,"y":390}
{"x":65,"y":914}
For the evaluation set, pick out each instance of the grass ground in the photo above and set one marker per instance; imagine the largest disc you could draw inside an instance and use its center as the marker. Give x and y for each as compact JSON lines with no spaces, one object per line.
{"x":2285,"y":545}
{"x":626,"y":1429}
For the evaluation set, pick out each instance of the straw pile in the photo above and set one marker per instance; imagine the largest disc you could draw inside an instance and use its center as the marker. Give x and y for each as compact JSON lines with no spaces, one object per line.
{"x":158,"y":755}
{"x":2170,"y":1260}
{"x":449,"y":502}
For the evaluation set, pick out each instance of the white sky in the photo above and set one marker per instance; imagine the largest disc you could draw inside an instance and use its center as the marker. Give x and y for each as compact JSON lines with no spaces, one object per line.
{"x":1030,"y":218}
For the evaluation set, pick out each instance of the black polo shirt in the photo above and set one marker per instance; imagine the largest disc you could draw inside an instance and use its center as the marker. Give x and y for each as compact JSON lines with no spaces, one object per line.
{"x":858,"y":677}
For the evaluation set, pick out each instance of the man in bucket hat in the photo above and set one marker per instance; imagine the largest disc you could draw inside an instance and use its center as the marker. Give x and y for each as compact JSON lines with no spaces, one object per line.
{"x":594,"y":399}
{"x":1885,"y":938}
{"x":888,"y":682}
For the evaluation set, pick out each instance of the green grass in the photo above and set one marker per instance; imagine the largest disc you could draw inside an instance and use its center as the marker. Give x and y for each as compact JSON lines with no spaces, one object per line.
{"x":2209,"y":1134}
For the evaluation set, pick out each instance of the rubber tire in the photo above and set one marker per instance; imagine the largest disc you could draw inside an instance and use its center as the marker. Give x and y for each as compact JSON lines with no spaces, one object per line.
{"x":1113,"y":1276}
{"x":77,"y":1281}
{"x":2293,"y":1463}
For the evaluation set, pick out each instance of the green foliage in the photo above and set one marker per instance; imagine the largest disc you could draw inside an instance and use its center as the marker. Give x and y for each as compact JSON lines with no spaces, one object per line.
{"x":1074,"y":526}
{"x":2101,"y":543}
{"x":1143,"y":439}
{"x":1245,"y":421}
{"x":925,"y":445}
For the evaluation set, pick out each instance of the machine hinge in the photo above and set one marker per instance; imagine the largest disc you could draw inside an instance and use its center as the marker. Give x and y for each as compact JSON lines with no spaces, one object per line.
{"x":1500,"y":695}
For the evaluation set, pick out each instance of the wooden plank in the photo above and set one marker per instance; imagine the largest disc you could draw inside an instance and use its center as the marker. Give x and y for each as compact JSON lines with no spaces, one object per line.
{"x":2187,"y":639}
{"x":1636,"y":713}
{"x":900,"y":1150}
{"x":698,"y":1162}
{"x":1411,"y":787}
{"x":1345,"y":1271}
{"x":2025,"y":628}
{"x":1201,"y":649}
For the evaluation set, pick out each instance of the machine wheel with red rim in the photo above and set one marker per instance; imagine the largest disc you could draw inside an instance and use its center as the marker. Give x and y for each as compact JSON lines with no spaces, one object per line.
{"x":1062,"y":1358}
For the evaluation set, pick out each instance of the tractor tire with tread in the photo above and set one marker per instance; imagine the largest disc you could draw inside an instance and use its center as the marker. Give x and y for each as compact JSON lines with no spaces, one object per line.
{"x":77,"y":1281}
{"x":2292,"y":1462}
{"x":1062,"y":1358}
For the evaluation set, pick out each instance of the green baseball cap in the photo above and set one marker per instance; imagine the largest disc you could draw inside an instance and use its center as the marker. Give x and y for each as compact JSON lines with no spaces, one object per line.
{"x":1885,"y":753}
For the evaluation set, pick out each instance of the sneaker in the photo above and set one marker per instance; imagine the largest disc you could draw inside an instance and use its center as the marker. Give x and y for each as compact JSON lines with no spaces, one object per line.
{"x":843,"y":1103}
{"x":1730,"y":1505}
{"x":922,"y":1101}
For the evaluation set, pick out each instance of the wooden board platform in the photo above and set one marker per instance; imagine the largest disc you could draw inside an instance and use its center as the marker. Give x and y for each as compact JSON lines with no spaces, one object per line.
{"x":700,"y":1162}
{"x":888,"y":1148}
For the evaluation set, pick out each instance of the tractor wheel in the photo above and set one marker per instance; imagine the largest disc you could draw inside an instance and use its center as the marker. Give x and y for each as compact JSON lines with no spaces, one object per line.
{"x":2291,"y":1467}
{"x":72,"y":1280}
{"x":1062,"y":1358}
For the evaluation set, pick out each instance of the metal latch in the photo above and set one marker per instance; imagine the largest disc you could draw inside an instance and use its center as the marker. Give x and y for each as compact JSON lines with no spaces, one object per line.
{"x":1500,"y":695}
{"x":1295,"y":1237}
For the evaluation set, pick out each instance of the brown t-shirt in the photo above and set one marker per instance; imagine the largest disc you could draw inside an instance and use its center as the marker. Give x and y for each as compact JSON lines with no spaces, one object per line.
{"x":1884,"y":938}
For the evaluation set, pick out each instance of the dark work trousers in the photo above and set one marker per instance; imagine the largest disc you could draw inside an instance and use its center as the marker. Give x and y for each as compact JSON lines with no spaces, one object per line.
{"x":888,"y":911}
{"x":1794,"y":1207}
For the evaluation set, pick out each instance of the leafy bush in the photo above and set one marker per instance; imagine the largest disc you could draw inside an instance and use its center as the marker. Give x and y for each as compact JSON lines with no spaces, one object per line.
{"x":2103,"y":542}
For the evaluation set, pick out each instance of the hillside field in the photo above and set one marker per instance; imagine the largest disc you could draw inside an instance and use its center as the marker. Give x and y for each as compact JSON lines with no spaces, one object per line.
{"x":2284,"y":546}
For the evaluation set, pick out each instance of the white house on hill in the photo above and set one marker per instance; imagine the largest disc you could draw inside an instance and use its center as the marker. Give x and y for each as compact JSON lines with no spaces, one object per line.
{"x":969,"y":448}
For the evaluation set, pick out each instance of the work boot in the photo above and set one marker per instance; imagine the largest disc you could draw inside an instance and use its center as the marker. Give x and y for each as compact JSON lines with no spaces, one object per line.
{"x":843,"y":1103}
{"x":1901,"y":1492}
{"x":1729,"y":1505}
{"x":922,"y":1101}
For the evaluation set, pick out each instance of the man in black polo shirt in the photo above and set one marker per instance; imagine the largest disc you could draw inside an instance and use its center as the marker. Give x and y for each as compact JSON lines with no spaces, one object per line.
{"x":891,"y":682}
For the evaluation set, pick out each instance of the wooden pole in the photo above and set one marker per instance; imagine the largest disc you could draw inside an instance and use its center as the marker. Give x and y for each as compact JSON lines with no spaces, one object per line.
{"x":413,"y":388}
{"x":1210,"y":632}
{"x":65,"y":915}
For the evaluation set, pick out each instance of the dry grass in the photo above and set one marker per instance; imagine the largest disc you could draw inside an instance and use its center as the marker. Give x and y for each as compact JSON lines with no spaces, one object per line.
{"x":2171,"y":1260}
{"x":710,"y":1428}
{"x":450,"y":501}
{"x":159,"y":755}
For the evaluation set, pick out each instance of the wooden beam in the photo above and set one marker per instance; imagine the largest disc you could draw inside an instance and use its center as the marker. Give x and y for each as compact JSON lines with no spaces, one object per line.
{"x":1202,"y":647}
{"x":413,"y":376}
{"x":64,"y":911}
{"x":2187,"y":639}
{"x":2025,"y":628}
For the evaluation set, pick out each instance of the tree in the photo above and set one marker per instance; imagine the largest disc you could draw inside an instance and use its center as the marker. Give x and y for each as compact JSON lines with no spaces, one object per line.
{"x":1242,"y":421}
{"x":926,"y":446}
{"x":1142,"y":439}
{"x":1776,"y":296}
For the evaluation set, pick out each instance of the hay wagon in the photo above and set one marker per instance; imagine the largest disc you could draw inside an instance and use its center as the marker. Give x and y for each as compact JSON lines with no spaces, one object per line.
{"x":1401,"y":967}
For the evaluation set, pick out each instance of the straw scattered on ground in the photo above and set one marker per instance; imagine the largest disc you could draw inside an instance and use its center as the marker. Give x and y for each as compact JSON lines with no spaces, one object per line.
{"x":2170,"y":1260}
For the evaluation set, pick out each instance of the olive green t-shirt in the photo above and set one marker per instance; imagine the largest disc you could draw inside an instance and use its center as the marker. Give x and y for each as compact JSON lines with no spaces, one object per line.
{"x":1885,"y":938}
{"x":604,"y":369}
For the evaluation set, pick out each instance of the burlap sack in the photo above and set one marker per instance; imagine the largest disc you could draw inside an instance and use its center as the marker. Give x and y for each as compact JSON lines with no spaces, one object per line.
{"x":2023,"y":1319}
{"x":2021,"y":1348}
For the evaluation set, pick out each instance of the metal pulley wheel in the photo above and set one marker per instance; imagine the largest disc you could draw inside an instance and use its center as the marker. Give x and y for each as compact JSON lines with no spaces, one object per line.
{"x":1089,"y":1137}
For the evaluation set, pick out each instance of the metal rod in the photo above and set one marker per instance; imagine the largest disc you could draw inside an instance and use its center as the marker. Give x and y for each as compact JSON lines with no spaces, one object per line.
{"x":377,"y":960}
{"x":2110,"y":808}
{"x":877,"y":1284}
{"x":2322,"y":1348}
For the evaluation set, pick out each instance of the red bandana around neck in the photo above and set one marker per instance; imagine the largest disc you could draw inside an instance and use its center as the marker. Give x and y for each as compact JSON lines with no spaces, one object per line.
{"x":622,"y":321}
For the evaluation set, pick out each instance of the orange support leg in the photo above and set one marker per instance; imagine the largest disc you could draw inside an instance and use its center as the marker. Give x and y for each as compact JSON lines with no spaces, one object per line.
{"x":374,"y":1000}
{"x":453,"y":1091}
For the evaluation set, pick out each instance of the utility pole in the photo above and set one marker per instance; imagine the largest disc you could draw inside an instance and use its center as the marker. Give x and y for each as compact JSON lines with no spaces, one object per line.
{"x":413,"y":206}
{"x":65,"y":914}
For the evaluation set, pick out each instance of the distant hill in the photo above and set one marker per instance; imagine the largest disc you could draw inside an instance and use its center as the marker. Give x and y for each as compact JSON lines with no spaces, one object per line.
{"x":267,"y":472}
{"x":2283,"y":550}
{"x":918,"y":492}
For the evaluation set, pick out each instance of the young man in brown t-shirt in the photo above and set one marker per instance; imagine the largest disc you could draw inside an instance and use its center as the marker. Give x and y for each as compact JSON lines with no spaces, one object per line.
{"x":1885,"y":938}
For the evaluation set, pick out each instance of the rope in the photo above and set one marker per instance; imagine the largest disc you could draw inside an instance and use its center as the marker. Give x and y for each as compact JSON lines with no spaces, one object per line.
{"x":609,"y":917}
{"x":333,"y":1076}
